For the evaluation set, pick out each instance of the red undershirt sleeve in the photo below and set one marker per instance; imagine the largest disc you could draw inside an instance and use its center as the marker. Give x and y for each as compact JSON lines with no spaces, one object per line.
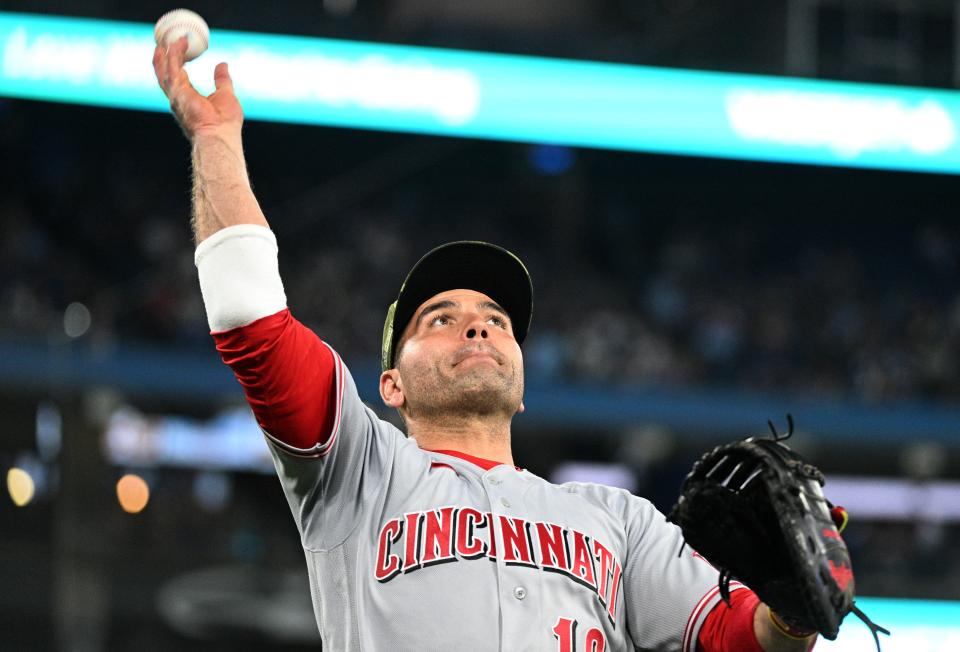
{"x":730,"y":629}
{"x":288,"y":376}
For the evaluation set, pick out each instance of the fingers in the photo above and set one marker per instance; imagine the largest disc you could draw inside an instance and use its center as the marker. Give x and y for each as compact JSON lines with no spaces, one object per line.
{"x":192,"y":110}
{"x":176,"y":53}
{"x":157,"y":59}
{"x":173,"y":58}
{"x":176,"y":82}
{"x":168,"y":65}
{"x":221,"y":78}
{"x":159,"y":66}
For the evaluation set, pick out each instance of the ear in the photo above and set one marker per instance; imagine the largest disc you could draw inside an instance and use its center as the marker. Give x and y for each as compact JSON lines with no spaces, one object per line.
{"x":391,"y":388}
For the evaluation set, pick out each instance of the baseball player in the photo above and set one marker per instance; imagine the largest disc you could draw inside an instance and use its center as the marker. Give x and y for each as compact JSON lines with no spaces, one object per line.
{"x":435,"y":540}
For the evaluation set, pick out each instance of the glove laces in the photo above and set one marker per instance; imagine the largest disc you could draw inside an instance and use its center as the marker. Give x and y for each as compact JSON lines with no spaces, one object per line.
{"x":875,"y":629}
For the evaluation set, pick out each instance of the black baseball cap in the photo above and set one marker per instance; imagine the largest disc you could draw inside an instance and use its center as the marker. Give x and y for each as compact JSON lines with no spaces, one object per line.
{"x":468,"y":265}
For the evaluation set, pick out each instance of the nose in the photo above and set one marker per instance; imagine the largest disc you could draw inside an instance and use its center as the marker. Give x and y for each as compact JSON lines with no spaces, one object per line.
{"x":475,"y":331}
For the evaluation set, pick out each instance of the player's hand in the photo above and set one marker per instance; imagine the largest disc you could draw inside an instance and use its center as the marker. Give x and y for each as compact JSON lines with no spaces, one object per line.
{"x":196,"y":114}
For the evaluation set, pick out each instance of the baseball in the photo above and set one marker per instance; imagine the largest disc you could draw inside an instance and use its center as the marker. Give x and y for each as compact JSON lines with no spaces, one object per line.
{"x":183,"y":22}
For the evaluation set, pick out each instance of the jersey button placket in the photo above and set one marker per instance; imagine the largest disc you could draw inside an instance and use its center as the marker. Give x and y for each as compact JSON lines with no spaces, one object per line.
{"x":520,"y":611}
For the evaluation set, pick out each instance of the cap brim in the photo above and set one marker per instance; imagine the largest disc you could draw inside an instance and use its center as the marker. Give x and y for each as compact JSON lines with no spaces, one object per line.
{"x":469,"y":265}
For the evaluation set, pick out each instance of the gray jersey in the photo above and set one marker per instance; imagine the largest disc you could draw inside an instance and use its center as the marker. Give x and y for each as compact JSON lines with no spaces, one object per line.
{"x":409,"y":549}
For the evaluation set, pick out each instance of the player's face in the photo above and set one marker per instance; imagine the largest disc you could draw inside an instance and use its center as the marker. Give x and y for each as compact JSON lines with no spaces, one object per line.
{"x":458,"y":353}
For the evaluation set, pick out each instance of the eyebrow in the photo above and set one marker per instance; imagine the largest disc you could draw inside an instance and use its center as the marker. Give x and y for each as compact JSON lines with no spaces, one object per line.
{"x":439,"y":305}
{"x":492,"y":305}
{"x":445,"y":304}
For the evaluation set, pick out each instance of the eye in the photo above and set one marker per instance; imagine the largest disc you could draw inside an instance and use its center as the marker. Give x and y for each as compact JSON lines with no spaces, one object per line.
{"x":440,"y":320}
{"x":497,"y":320}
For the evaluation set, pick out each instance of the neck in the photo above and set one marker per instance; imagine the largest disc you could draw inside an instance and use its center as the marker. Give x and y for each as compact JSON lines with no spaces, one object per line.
{"x":480,"y":437}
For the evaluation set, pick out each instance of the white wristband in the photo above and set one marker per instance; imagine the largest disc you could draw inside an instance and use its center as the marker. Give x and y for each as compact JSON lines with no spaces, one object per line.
{"x":239,"y":276}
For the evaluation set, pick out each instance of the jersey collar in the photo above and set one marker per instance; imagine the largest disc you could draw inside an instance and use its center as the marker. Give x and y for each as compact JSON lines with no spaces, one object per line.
{"x":484,"y":464}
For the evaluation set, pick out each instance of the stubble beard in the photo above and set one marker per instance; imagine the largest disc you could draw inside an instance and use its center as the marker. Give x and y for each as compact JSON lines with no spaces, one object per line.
{"x":479,"y":392}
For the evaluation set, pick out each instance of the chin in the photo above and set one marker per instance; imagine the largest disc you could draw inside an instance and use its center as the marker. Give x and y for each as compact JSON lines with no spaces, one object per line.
{"x":487,"y":397}
{"x":480,"y":380}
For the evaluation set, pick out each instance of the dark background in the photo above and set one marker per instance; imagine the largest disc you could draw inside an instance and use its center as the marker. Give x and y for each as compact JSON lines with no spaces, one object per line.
{"x":692,"y":279}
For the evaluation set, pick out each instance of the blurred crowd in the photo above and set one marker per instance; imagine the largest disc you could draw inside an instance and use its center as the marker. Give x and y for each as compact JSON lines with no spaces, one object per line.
{"x":666,"y":281}
{"x":648,"y":271}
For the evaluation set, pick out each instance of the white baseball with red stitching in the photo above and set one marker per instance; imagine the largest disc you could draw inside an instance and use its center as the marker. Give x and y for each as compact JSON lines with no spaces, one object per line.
{"x":183,"y":22}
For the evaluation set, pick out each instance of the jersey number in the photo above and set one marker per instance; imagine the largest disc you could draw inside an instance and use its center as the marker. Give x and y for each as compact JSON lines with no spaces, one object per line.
{"x":565,"y":631}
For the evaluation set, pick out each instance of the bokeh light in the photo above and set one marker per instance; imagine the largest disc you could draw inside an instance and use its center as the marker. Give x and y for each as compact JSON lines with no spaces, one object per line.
{"x":76,"y":319}
{"x":339,"y":8}
{"x":133,"y":493}
{"x":212,"y":490}
{"x":21,"y":487}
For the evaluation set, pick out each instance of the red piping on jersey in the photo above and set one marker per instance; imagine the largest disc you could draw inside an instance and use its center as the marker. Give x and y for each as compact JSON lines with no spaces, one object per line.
{"x":689,"y":641}
{"x":439,"y":465}
{"x":322,"y":447}
{"x":484,"y":464}
{"x":730,"y":628}
{"x":687,"y":646}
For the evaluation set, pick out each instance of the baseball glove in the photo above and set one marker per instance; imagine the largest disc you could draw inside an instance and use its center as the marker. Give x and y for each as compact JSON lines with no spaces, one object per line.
{"x":755,"y":510}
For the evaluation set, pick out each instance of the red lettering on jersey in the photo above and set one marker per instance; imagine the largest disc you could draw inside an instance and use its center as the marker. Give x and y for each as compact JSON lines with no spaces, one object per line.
{"x":565,"y":631}
{"x":516,"y":542}
{"x":492,"y":550}
{"x":605,"y":557}
{"x":388,"y":564}
{"x":554,"y":555}
{"x":468,"y":545}
{"x":438,"y":536}
{"x":595,"y":642}
{"x":446,"y":534}
{"x":614,"y":590}
{"x":581,"y":567}
{"x":411,"y":558}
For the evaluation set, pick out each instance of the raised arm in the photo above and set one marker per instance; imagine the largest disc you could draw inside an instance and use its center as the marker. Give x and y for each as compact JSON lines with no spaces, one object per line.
{"x":222,"y":195}
{"x":287,"y":373}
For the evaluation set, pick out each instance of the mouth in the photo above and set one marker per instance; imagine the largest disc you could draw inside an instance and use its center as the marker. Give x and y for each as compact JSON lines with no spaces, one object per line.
{"x":474,"y":352}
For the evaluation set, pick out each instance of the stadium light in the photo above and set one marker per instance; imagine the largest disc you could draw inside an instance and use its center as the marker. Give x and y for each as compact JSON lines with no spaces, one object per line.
{"x":133,"y":493}
{"x":494,"y":96}
{"x":20,"y":486}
